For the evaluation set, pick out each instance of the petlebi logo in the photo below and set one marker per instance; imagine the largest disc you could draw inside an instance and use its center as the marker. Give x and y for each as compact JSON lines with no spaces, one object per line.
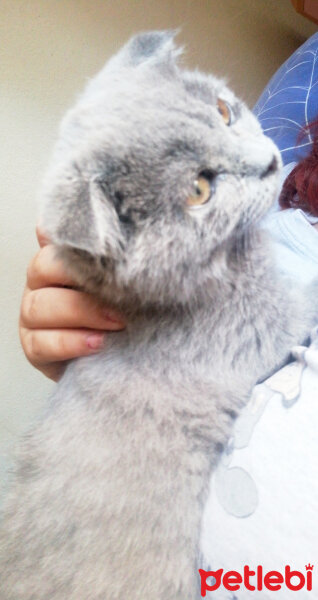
{"x":256,"y":580}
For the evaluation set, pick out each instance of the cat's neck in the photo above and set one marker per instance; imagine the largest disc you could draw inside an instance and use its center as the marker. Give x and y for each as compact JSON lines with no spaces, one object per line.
{"x":235,"y":267}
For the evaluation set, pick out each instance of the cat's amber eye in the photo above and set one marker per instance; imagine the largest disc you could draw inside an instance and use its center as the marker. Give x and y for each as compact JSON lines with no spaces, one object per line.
{"x":225,"y":111}
{"x":201,"y":192}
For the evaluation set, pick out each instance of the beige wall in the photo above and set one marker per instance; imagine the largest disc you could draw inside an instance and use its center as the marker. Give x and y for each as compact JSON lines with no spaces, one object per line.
{"x":48,"y":48}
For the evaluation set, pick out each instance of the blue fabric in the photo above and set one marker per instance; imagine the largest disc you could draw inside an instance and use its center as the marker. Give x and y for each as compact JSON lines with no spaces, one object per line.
{"x":290,"y":101}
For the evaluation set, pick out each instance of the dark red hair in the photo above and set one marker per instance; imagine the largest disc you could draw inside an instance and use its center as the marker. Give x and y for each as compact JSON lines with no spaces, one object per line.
{"x":300,"y":189}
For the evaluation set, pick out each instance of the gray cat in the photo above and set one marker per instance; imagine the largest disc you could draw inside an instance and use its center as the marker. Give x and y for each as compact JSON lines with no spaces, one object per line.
{"x":156,"y":187}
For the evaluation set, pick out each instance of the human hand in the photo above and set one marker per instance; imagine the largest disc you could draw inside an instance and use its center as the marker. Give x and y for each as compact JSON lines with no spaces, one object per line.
{"x":58,"y":323}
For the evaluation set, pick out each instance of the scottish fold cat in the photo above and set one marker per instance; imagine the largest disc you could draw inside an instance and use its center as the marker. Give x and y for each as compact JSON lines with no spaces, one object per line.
{"x":155,"y":189}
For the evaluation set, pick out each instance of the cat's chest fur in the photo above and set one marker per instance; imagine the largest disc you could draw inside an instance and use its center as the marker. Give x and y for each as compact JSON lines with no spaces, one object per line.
{"x":218,"y":343}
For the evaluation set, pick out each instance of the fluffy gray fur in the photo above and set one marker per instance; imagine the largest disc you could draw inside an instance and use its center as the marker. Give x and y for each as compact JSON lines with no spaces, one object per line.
{"x":109,"y":487}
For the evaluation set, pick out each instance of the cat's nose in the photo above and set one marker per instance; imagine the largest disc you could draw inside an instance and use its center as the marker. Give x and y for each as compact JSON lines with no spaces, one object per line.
{"x":271,"y":168}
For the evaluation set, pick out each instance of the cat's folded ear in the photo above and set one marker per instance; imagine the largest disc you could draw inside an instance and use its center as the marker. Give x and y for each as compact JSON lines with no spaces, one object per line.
{"x":154,"y":48}
{"x":76,"y":213}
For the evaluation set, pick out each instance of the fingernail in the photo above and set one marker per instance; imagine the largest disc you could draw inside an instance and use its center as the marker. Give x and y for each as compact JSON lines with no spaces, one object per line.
{"x":95,"y":341}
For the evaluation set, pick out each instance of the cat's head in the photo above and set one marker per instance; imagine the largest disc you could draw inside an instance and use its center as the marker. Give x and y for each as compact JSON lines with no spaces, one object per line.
{"x":156,"y":172}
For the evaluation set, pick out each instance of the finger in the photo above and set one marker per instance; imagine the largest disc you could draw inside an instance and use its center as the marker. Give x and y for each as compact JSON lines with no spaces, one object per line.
{"x":43,"y":346}
{"x":57,"y":308}
{"x":41,"y":236}
{"x":53,"y":371}
{"x":45,"y":269}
